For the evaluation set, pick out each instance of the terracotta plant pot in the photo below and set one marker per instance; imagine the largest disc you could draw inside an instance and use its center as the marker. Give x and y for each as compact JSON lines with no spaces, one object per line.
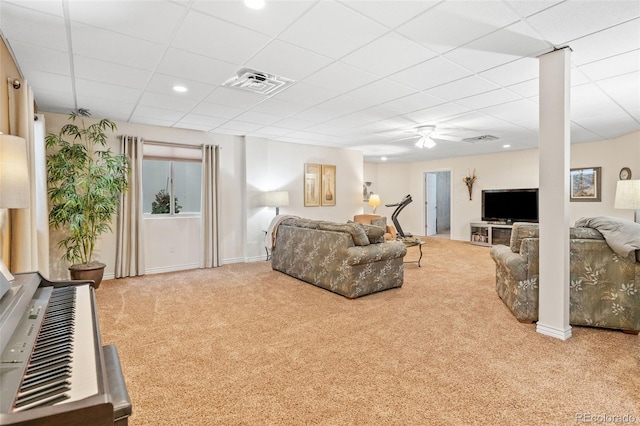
{"x":88,"y":271}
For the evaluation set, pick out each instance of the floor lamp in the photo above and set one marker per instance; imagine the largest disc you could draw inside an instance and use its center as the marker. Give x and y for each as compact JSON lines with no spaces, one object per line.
{"x":14,"y":190}
{"x":628,"y":197}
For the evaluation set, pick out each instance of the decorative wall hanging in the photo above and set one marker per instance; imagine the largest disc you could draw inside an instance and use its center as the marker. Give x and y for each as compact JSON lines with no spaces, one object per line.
{"x":312,"y":184}
{"x":469,"y":181}
{"x":584,"y":184}
{"x":328,"y":185}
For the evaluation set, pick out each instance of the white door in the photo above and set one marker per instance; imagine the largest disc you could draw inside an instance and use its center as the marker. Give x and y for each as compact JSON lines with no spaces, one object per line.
{"x":432,"y":205}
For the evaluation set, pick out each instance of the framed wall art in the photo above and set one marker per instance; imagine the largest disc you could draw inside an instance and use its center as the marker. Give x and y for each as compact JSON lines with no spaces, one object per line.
{"x":585,"y":184}
{"x":312,"y":184}
{"x":328,"y":195}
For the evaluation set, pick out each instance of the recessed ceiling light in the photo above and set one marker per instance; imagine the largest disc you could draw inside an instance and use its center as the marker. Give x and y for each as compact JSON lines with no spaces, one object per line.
{"x":180,"y":89}
{"x":383,"y":158}
{"x":254,"y":4}
{"x":506,"y":146}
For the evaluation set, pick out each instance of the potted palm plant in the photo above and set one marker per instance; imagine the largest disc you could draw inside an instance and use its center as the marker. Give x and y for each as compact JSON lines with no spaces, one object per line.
{"x":85,"y":181}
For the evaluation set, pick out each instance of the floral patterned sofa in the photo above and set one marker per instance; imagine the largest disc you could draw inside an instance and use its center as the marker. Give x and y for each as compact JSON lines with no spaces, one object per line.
{"x":604,"y":286}
{"x":350,"y":259}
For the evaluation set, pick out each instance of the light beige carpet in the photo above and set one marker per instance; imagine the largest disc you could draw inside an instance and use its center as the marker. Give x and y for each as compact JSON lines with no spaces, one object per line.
{"x":245,"y":345}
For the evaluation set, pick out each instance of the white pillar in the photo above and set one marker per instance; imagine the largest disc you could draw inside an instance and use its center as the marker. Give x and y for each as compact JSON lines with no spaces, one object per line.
{"x":554,"y":141}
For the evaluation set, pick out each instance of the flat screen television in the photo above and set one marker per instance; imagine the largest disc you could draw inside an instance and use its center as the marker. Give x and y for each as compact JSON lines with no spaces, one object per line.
{"x":510,"y":205}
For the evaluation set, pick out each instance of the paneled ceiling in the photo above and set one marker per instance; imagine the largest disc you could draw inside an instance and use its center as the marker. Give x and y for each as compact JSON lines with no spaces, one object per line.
{"x":367,"y":73}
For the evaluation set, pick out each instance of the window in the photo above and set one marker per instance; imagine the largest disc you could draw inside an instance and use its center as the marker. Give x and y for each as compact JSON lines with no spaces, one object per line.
{"x":165,"y":180}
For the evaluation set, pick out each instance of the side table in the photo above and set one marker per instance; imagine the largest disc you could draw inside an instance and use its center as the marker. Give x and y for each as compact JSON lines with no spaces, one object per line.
{"x":412,"y":242}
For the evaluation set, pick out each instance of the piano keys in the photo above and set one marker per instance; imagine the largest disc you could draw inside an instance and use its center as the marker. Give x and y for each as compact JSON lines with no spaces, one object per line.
{"x":53,"y":367}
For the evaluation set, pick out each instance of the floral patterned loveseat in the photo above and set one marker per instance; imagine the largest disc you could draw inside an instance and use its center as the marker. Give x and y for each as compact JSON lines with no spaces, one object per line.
{"x":350,"y":259}
{"x":604,"y":287}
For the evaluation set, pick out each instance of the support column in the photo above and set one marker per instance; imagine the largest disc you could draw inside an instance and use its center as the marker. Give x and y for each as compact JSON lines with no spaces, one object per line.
{"x":554,"y":151}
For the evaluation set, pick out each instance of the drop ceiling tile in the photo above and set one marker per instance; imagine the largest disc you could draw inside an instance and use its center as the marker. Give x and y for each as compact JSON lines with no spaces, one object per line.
{"x":462,"y":88}
{"x":610,"y":126}
{"x":30,"y":26}
{"x":234,"y":98}
{"x":258,"y":117}
{"x":211,"y":37}
{"x":239,"y":127}
{"x":109,"y":72}
{"x":589,"y":101}
{"x":528,"y":8}
{"x":570,"y":20}
{"x":514,"y":72}
{"x":113,"y":47}
{"x":152,"y":21}
{"x":451,"y":24}
{"x":613,"y":66}
{"x":275,"y":131}
{"x":279,"y":107}
{"x":348,"y":30}
{"x":381,"y":91}
{"x":513,"y":112}
{"x":316,"y":115}
{"x":157,"y":113}
{"x":163,"y":84}
{"x":61,"y":102}
{"x":306,"y":94}
{"x":483,"y":100}
{"x":111,"y":92}
{"x":624,"y":89}
{"x":340,"y":77}
{"x":216,"y":110}
{"x":271,"y":20}
{"x":196,"y":67}
{"x":613,"y":41}
{"x":526,"y":89}
{"x":152,"y":121}
{"x":388,"y":54}
{"x":294,"y":123}
{"x":431,"y":73}
{"x":46,"y":81}
{"x":500,"y":47}
{"x":45,"y":6}
{"x":32,"y":56}
{"x":440,"y":112}
{"x":412,"y":103}
{"x":203,"y":121}
{"x":176,"y":102}
{"x":391,"y":13}
{"x":344,"y":104}
{"x":299,"y":62}
{"x":106,"y":108}
{"x":191,"y":126}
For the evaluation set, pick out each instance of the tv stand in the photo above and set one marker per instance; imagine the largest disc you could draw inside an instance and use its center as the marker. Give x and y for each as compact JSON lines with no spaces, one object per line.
{"x":490,"y":234}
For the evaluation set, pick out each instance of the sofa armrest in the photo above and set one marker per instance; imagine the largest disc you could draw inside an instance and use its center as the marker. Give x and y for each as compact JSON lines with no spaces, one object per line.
{"x":358,"y":255}
{"x":516,"y":264}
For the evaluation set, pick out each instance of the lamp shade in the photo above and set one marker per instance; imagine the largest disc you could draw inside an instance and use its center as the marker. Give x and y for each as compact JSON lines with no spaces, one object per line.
{"x":276,"y":198}
{"x":14,"y":173}
{"x":374,"y":200}
{"x":627,"y":194}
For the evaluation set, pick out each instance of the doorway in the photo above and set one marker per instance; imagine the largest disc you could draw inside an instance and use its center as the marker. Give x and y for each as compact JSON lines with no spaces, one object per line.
{"x":437,"y":208}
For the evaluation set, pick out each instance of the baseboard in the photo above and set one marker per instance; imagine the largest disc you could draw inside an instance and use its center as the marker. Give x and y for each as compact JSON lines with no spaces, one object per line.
{"x":109,"y":277}
{"x":558,"y":333}
{"x":232,"y":260}
{"x":172,"y":268}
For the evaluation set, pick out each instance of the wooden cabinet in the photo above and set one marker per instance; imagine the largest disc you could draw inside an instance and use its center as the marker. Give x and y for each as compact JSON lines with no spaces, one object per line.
{"x":489,"y":234}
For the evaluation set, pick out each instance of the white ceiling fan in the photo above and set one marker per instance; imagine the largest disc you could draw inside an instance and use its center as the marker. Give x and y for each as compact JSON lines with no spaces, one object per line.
{"x":428,"y":136}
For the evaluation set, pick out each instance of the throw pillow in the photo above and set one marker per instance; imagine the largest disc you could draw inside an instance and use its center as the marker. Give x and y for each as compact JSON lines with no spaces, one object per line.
{"x":381,"y":222}
{"x":375,"y":234}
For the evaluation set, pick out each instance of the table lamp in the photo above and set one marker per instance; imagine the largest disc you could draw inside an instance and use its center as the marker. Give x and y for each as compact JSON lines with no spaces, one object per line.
{"x":14,"y":189}
{"x":374,"y":201}
{"x":628,"y":196}
{"x":276,"y":199}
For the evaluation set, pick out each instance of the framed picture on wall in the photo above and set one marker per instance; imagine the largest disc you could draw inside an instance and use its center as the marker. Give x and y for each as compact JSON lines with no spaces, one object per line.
{"x":328,"y":195}
{"x":584,"y":184}
{"x":312,"y":184}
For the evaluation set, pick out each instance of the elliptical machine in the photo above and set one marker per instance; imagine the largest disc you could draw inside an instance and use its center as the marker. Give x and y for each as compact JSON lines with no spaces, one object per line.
{"x":394,"y":216}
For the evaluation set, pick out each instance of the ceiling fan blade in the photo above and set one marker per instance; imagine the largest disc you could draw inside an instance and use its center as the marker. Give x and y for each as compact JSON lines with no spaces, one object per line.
{"x":446,"y":138}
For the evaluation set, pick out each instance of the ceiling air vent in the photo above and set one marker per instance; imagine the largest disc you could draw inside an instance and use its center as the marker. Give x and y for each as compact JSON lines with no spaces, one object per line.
{"x":483,"y":138}
{"x":258,"y":82}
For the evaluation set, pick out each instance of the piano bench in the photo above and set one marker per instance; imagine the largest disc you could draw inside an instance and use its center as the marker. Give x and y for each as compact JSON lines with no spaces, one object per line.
{"x":117,"y":386}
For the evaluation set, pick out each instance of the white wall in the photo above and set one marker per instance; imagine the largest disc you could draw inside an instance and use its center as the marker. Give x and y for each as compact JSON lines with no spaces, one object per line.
{"x":514,"y":169}
{"x":272,"y":165}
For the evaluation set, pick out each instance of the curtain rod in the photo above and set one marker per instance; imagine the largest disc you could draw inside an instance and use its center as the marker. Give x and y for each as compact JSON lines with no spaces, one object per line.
{"x":173,"y":144}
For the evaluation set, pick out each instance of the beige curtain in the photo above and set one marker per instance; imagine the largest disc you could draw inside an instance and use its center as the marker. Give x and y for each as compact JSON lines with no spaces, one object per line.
{"x":130,"y":230}
{"x":210,"y":179}
{"x":29,"y":245}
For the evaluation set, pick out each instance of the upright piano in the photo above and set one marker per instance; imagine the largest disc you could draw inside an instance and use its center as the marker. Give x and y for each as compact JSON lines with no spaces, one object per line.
{"x":54,"y":370}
